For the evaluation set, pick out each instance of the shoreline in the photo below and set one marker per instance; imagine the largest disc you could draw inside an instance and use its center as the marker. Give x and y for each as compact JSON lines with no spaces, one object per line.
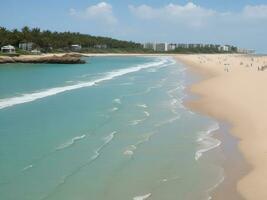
{"x":72,"y":57}
{"x":231,"y":155}
{"x":232,"y":91}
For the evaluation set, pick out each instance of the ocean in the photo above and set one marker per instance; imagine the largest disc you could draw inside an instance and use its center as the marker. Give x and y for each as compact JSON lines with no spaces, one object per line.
{"x":114,"y":128}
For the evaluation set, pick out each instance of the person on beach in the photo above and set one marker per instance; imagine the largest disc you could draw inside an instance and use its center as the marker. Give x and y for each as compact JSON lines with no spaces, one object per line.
{"x":226,"y":67}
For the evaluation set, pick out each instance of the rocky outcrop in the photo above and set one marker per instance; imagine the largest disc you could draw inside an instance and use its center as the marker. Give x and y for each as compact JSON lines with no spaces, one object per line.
{"x":6,"y":59}
{"x":53,"y":59}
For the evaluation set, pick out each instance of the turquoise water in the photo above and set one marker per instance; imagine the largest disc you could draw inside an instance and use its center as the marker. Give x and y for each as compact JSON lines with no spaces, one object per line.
{"x":114,"y":128}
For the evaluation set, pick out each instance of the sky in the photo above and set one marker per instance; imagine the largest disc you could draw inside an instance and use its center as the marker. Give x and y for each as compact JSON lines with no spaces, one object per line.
{"x":236,"y":22}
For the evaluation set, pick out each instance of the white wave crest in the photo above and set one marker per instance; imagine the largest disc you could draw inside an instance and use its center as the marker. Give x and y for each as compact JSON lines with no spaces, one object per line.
{"x":145,"y":138}
{"x":27,"y":167}
{"x":146,"y":113}
{"x":128,"y":152}
{"x":206,"y":141}
{"x":113,"y":109}
{"x":118,"y":101}
{"x":143,"y":197}
{"x":136,"y":122}
{"x":142,"y":105}
{"x":169,"y":121}
{"x":28,"y":97}
{"x":71,"y":142}
{"x":107,"y":140}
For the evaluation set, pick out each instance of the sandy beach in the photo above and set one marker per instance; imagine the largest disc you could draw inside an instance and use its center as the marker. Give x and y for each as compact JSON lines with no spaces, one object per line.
{"x":233,"y":91}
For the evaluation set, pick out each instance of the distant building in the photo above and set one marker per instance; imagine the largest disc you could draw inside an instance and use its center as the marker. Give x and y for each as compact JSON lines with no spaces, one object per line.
{"x":245,"y":51}
{"x":149,"y":45}
{"x":76,"y":47}
{"x":161,"y":47}
{"x":36,"y":51}
{"x":210,"y":45}
{"x":101,"y":46}
{"x":191,"y":45}
{"x":186,"y":46}
{"x":172,"y":47}
{"x":224,"y":48}
{"x":240,"y":50}
{"x":8,"y":49}
{"x":26,"y":46}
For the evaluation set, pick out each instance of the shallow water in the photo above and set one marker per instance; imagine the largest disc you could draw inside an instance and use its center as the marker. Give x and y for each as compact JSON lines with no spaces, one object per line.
{"x":114,"y":128}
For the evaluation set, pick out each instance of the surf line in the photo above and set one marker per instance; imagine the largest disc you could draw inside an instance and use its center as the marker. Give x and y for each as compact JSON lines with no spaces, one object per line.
{"x":28,"y":97}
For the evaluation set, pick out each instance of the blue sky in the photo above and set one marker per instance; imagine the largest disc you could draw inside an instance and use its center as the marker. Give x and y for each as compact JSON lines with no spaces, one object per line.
{"x":238,"y":22}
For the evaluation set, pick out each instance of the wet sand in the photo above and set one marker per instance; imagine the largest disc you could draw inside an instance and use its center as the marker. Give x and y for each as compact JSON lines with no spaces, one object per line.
{"x":233,"y":91}
{"x":234,"y":164}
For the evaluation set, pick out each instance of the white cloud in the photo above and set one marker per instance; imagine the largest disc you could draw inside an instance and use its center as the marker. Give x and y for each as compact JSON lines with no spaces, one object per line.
{"x":256,"y":12}
{"x":190,"y":13}
{"x":189,"y":22}
{"x":101,"y":12}
{"x":194,"y":15}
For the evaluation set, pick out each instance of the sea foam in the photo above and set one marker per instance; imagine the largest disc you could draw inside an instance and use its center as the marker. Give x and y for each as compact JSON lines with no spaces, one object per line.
{"x":130,"y":150}
{"x":28,"y":97}
{"x":113,"y":109}
{"x":27,"y":167}
{"x":107,"y":140}
{"x":70,"y":142}
{"x":147,"y":113}
{"x":118,"y":101}
{"x":142,"y":105}
{"x":207,"y":141}
{"x":143,"y":197}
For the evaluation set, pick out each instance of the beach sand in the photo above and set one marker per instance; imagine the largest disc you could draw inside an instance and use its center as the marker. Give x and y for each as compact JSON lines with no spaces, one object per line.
{"x":233,"y":91}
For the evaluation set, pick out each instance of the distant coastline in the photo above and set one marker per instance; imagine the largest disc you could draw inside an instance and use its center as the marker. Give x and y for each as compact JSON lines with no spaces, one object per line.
{"x":76,"y":58}
{"x":34,"y":41}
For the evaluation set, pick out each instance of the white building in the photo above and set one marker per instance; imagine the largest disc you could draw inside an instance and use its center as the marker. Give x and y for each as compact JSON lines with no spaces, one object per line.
{"x":76,"y":47}
{"x":172,"y":47}
{"x":36,"y":51}
{"x":161,"y":47}
{"x":101,"y":46}
{"x":149,"y":45}
{"x":245,"y":51}
{"x":8,"y":49}
{"x":224,"y":48}
{"x":156,"y":46}
{"x":183,"y":46}
{"x":26,"y":46}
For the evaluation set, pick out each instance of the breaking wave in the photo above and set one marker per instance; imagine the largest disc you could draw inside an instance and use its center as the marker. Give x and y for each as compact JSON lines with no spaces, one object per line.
{"x":70,"y":142}
{"x":206,"y":141}
{"x":28,"y":97}
{"x":130,"y":149}
{"x":143,"y":197}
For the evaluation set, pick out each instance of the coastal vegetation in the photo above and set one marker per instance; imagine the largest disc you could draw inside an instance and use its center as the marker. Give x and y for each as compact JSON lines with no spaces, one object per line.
{"x":48,"y":41}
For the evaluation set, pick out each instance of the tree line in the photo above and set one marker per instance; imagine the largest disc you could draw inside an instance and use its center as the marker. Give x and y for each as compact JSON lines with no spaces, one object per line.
{"x":47,"y":40}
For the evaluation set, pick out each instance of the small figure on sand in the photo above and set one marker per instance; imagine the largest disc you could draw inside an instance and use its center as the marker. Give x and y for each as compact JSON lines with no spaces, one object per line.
{"x":226,"y":67}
